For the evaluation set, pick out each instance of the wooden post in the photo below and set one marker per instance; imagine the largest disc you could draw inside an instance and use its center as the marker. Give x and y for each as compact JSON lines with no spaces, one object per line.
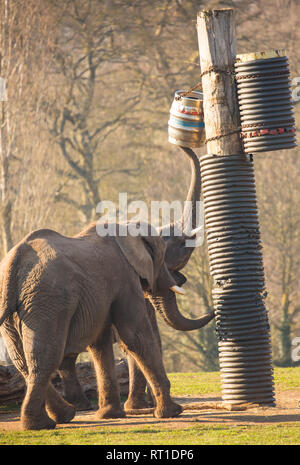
{"x":216,"y":37}
{"x":231,"y":223}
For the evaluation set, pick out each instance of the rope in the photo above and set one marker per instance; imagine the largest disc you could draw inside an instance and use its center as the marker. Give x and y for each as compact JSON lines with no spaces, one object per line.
{"x":226,"y":70}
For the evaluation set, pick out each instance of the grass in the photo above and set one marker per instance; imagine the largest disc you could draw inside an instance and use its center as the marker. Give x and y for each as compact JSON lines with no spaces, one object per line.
{"x":280,"y":433}
{"x":145,"y":435}
{"x":209,"y":382}
{"x":287,"y":378}
{"x":195,"y":383}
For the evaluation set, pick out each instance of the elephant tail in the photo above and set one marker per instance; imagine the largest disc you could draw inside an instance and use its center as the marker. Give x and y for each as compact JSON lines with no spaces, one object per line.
{"x":8,"y":284}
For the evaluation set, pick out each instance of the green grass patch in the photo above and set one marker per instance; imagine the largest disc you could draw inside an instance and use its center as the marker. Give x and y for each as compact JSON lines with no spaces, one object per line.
{"x":154,"y":435}
{"x":287,"y":378}
{"x":195,"y":384}
{"x":210,"y":382}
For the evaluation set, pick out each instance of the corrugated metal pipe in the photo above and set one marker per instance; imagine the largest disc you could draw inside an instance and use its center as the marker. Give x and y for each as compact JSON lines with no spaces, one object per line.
{"x":236,"y":265}
{"x":265,"y":102}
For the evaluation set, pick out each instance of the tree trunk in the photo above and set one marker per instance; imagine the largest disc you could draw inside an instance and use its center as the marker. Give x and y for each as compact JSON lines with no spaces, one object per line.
{"x":12,"y":384}
{"x":285,"y":334}
{"x":5,"y":202}
{"x":216,"y":36}
{"x":5,"y":221}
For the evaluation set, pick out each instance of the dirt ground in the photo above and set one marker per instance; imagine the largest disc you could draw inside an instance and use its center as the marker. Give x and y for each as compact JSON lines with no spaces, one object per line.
{"x":287,"y":410}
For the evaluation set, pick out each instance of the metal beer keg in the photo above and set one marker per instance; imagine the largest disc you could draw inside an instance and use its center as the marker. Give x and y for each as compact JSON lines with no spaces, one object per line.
{"x":186,"y":124}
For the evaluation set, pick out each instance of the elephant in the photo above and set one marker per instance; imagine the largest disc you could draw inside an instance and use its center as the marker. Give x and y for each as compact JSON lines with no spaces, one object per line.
{"x":60,"y":295}
{"x":176,"y":257}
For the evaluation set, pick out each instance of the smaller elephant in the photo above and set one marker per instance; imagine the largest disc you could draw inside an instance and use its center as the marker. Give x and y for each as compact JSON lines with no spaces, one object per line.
{"x":60,"y":295}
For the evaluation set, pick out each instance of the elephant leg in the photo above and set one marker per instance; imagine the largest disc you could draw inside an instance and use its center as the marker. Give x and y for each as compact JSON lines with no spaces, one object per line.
{"x":137,"y":397}
{"x":57,"y":408}
{"x":43,"y":354}
{"x":73,"y":391}
{"x":33,"y":411}
{"x":139,"y":341}
{"x":43,"y":407}
{"x":16,"y":353}
{"x":152,"y":316}
{"x":137,"y":386}
{"x":108,"y":387}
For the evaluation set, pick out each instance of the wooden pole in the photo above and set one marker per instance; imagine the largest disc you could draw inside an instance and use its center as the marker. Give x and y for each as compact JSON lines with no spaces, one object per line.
{"x":216,"y":38}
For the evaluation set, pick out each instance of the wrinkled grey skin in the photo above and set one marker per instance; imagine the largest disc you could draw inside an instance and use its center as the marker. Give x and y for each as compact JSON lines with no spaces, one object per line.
{"x":176,"y":257}
{"x":61,"y":295}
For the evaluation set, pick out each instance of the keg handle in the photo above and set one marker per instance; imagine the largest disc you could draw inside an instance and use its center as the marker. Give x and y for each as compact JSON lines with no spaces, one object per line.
{"x":215,"y":69}
{"x":184,"y":94}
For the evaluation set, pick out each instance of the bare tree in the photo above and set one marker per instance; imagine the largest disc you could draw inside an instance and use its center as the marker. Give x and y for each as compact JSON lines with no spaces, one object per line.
{"x":5,"y":141}
{"x":86,"y":108}
{"x":22,"y":67}
{"x":279,"y":195}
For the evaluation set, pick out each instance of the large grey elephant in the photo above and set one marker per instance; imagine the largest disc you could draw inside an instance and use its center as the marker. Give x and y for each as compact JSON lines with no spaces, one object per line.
{"x":60,"y":295}
{"x":176,"y":257}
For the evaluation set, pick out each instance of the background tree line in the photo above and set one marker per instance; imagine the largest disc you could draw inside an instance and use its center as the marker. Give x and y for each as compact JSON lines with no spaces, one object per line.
{"x":89,"y":86}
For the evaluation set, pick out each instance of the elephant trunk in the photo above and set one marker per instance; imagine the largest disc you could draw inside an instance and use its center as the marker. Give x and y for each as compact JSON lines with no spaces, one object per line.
{"x":189,"y":217}
{"x":167,"y":307}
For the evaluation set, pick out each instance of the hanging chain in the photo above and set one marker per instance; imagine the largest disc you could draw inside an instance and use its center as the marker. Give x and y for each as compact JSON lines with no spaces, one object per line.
{"x":219,"y":136}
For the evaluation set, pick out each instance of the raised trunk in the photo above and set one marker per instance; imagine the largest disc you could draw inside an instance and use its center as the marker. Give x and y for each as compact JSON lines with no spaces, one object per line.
{"x":188,"y":221}
{"x":189,"y":217}
{"x":167,"y":306}
{"x":177,"y":256}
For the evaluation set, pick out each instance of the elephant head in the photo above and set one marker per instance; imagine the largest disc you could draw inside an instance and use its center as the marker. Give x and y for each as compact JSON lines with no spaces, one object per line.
{"x":146,"y":254}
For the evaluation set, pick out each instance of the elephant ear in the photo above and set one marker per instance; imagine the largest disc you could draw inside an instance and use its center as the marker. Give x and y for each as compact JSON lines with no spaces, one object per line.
{"x":141,"y":251}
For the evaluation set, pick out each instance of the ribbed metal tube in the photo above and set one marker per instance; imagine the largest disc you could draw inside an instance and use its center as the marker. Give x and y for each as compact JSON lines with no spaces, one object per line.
{"x":236,"y":265}
{"x":265,"y":103}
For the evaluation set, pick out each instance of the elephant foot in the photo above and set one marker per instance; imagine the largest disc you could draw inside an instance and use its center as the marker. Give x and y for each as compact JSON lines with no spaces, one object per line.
{"x":168,"y":411}
{"x":79,"y":399}
{"x":83,"y":404}
{"x":36,"y":423}
{"x":80,"y":402}
{"x":110,"y":411}
{"x":135,"y":403}
{"x":64,"y":414}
